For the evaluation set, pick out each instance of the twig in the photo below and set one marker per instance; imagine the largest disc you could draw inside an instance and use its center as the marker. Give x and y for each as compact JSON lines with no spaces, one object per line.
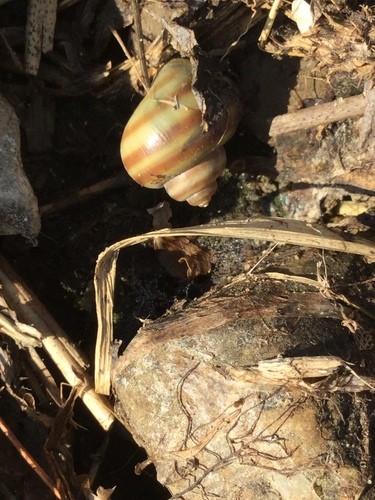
{"x":55,"y":444}
{"x":28,"y":458}
{"x":44,"y":375}
{"x":269,"y":23}
{"x":128,"y":55}
{"x":83,"y":195}
{"x":139,"y":38}
{"x":321,"y":114}
{"x":54,"y":340}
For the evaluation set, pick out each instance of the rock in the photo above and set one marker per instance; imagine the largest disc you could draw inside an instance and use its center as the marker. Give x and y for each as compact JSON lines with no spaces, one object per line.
{"x":18,"y":205}
{"x":198,"y":391}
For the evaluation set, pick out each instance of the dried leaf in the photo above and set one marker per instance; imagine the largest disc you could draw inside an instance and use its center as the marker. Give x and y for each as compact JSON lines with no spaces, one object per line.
{"x":104,"y":493}
{"x":302,"y":15}
{"x":161,"y":215}
{"x":182,"y":39}
{"x":182,"y":258}
{"x":101,"y":493}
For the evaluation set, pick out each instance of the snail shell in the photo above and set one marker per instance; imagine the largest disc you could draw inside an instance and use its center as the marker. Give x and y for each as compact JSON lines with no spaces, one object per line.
{"x":165,"y":144}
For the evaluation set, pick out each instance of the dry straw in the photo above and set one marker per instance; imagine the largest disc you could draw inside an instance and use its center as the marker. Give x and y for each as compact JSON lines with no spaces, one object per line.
{"x":275,"y":230}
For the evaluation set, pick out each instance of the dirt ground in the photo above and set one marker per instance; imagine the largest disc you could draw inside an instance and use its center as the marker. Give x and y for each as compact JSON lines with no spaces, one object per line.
{"x":72,"y":113}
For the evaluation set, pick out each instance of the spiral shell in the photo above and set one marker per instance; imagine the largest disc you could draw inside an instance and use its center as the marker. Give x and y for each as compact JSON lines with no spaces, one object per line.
{"x":164,"y":142}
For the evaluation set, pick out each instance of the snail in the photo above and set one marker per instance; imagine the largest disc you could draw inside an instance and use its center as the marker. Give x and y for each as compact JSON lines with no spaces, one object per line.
{"x":165,"y":144}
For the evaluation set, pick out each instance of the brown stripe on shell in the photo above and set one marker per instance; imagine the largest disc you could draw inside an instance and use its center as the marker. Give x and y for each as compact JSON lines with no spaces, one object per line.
{"x":141,"y":118}
{"x":168,"y":82}
{"x":153,"y":168}
{"x":182,"y":159}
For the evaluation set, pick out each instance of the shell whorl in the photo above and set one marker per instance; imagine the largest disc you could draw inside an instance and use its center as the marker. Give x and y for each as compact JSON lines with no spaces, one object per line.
{"x":164,"y":137}
{"x":198,"y":184}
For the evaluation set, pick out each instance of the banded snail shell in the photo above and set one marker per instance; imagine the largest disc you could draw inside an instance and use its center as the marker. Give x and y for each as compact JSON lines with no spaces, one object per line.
{"x":164,"y":138}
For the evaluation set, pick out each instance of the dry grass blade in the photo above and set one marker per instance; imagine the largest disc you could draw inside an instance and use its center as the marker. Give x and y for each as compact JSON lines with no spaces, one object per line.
{"x":317,"y":367}
{"x":104,"y":292}
{"x":139,"y":39}
{"x":310,"y":373}
{"x":21,"y":333}
{"x":40,"y":29}
{"x":54,"y":341}
{"x":263,"y":229}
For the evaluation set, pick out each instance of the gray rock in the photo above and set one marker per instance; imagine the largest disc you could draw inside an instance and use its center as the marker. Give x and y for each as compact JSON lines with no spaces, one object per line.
{"x":18,"y":204}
